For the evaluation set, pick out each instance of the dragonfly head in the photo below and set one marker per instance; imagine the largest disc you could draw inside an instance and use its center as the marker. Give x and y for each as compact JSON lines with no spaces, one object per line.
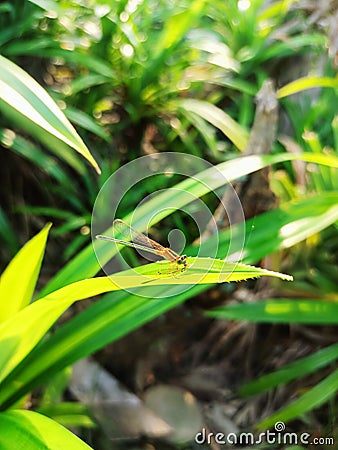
{"x":182,"y":260}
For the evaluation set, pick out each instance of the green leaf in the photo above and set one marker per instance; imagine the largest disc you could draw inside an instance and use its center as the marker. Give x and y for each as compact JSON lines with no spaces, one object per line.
{"x":19,"y":279}
{"x":21,"y":95}
{"x":313,"y":398}
{"x":218,"y":118}
{"x":27,"y":149}
{"x":86,"y":122}
{"x":199,"y":271}
{"x":295,"y":221}
{"x":23,"y":331}
{"x":48,"y":5}
{"x":20,"y":333}
{"x":177,"y":26}
{"x":82,"y":83}
{"x":299,"y":43}
{"x":297,"y":369}
{"x":54,"y":389}
{"x":306,"y":83}
{"x":281,"y":311}
{"x":69,"y":414}
{"x":28,"y":430}
{"x":85,"y":263}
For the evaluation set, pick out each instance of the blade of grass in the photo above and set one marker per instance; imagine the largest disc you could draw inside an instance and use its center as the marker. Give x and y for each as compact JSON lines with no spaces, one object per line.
{"x":306,"y":83}
{"x":20,"y":334}
{"x":312,"y":399}
{"x":297,"y":369}
{"x":286,"y":310}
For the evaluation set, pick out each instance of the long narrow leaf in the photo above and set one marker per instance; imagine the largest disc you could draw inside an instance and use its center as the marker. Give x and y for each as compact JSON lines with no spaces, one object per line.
{"x":313,"y":398}
{"x":281,"y":311}
{"x":19,"y":279}
{"x":214,"y":115}
{"x":177,"y":26}
{"x":120,"y":312}
{"x":20,"y":334}
{"x":306,"y":83}
{"x":85,"y":264}
{"x":24,"y":96}
{"x":297,"y":369}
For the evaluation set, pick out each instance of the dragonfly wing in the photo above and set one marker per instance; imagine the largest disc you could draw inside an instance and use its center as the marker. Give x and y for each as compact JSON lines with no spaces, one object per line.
{"x":129,"y":233}
{"x":141,"y":241}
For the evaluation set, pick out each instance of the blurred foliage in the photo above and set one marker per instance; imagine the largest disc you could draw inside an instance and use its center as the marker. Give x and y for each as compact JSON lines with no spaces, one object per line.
{"x":82,"y":51}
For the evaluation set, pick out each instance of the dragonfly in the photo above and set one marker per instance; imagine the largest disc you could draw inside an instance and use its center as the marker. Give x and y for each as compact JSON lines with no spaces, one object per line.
{"x":141,"y":242}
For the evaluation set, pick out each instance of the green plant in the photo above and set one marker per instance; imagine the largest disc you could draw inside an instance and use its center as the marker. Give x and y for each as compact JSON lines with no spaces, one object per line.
{"x":27,"y":104}
{"x":322,"y":311}
{"x":313,"y":265}
{"x":215,"y":59}
{"x":30,"y":108}
{"x":26,"y":362}
{"x":18,"y":18}
{"x":317,"y":271}
{"x":208,"y":57}
{"x":140,"y":41}
{"x":24,"y":324}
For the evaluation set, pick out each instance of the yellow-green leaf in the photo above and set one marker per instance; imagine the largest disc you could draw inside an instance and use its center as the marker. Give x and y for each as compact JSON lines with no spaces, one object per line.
{"x":199,"y":271}
{"x":20,"y":334}
{"x":17,"y":283}
{"x":306,"y":83}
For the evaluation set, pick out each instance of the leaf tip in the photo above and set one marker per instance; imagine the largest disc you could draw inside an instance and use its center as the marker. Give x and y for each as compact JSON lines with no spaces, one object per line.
{"x":48,"y":226}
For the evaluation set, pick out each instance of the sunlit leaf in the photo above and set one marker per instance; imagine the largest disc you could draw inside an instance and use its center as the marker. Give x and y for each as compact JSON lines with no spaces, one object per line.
{"x":85,"y":263}
{"x":18,"y":280}
{"x":301,"y":84}
{"x":20,"y":334}
{"x":21,"y":95}
{"x":32,"y":431}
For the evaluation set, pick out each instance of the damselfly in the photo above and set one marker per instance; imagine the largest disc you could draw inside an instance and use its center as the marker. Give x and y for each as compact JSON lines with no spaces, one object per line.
{"x":142,"y":242}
